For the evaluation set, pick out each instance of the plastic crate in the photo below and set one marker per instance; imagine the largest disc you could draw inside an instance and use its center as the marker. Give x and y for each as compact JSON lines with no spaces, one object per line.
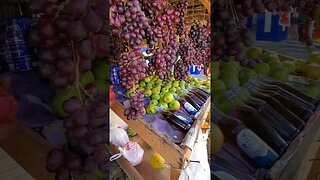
{"x":268,"y":29}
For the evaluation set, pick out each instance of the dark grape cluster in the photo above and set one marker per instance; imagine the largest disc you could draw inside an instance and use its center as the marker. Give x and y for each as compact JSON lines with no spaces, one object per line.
{"x":197,"y":35}
{"x":182,"y":8}
{"x":129,"y":22}
{"x":86,"y":133}
{"x":152,"y":7}
{"x":117,"y":47}
{"x":132,"y":68}
{"x":136,"y":109}
{"x":229,"y":37}
{"x":68,"y":38}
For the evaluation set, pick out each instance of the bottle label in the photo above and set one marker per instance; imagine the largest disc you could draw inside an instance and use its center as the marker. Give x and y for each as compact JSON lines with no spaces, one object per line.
{"x":185,"y":120}
{"x":256,"y":148}
{"x":224,"y":175}
{"x":190,"y":108}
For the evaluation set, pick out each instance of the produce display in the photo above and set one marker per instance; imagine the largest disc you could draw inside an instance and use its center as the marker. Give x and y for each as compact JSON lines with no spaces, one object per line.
{"x":72,"y":46}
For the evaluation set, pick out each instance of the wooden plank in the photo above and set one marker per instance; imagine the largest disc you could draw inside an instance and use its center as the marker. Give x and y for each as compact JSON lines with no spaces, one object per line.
{"x":28,"y":149}
{"x":299,"y":165}
{"x":172,"y":153}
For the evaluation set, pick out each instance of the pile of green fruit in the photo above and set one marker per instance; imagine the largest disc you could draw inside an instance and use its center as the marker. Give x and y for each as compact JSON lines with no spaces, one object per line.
{"x":162,"y":92}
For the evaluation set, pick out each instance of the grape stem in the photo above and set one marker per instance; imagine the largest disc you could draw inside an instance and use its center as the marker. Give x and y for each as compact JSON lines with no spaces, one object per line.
{"x":76,"y":59}
{"x":86,"y":92}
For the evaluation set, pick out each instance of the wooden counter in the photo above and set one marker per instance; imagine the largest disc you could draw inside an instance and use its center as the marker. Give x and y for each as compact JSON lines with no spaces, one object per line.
{"x":28,"y":149}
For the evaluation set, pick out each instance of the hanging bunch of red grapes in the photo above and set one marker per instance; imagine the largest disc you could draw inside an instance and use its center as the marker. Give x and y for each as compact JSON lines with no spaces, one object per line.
{"x":70,"y":36}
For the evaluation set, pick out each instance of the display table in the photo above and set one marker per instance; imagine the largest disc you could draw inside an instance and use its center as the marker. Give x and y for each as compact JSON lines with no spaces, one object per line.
{"x":171,"y":152}
{"x":28,"y":149}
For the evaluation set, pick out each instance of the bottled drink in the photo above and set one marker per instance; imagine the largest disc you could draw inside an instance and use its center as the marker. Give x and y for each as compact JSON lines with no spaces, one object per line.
{"x":278,"y":122}
{"x":287,"y":101}
{"x":178,"y":120}
{"x":192,"y":102}
{"x":186,"y":105}
{"x":203,"y":92}
{"x":198,"y":98}
{"x":225,"y":170}
{"x":281,"y":109}
{"x":251,"y":144}
{"x":292,"y":90}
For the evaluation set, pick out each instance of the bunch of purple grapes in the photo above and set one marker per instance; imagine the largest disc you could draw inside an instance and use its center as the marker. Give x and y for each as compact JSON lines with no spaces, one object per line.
{"x":117,"y":47}
{"x":197,"y":35}
{"x":86,"y":133}
{"x":129,"y":22}
{"x":136,"y":109}
{"x":229,"y":37}
{"x":69,"y":37}
{"x":181,"y":7}
{"x":132,"y":68}
{"x":152,"y":7}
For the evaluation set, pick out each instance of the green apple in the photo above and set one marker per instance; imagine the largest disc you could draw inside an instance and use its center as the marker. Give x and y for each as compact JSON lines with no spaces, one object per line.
{"x":129,"y":92}
{"x":312,"y":71}
{"x":175,"y":83}
{"x":86,"y":78}
{"x":168,"y":97}
{"x":172,"y":90}
{"x":165,"y":105}
{"x":274,"y":65}
{"x":174,"y":105}
{"x":158,"y":87}
{"x":62,"y":96}
{"x":165,"y":90}
{"x":290,"y":65}
{"x":182,"y":87}
{"x":223,"y":104}
{"x":178,"y":89}
{"x":168,"y":85}
{"x":155,"y":96}
{"x":312,"y":92}
{"x":254,"y":53}
{"x":148,"y":92}
{"x":245,"y":75}
{"x":217,"y":84}
{"x":182,"y":83}
{"x":280,"y":74}
{"x":262,"y":68}
{"x":142,"y":84}
{"x":153,"y":102}
{"x":159,"y":82}
{"x":102,"y":86}
{"x":101,"y":71}
{"x":314,"y":58}
{"x":151,"y":109}
{"x":230,"y":81}
{"x":172,"y":78}
{"x":300,"y":64}
{"x":229,"y":70}
{"x":155,"y":91}
{"x":147,"y":79}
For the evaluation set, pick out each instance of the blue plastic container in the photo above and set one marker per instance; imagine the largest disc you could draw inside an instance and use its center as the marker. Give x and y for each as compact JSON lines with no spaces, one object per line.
{"x":194,"y":70}
{"x":277,"y":33}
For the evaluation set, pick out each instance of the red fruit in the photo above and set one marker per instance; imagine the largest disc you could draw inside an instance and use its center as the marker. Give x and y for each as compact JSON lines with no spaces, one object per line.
{"x":112,"y":96}
{"x":8,"y":108}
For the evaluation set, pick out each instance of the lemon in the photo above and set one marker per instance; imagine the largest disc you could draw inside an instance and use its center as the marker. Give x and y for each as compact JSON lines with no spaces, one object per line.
{"x":157,"y":161}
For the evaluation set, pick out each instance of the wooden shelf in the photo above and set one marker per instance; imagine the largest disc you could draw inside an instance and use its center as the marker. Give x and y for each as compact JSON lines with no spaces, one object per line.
{"x":172,"y":153}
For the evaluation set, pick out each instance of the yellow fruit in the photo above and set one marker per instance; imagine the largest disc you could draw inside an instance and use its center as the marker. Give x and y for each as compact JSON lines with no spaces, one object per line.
{"x":157,"y":161}
{"x":217,"y":139}
{"x":312,"y":71}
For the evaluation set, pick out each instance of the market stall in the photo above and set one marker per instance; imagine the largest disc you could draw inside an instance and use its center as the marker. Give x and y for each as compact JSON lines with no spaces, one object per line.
{"x":160,"y":86}
{"x":265,"y":110}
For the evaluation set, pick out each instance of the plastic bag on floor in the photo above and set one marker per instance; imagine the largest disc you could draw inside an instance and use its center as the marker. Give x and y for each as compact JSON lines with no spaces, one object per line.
{"x":197,"y":170}
{"x":131,"y":151}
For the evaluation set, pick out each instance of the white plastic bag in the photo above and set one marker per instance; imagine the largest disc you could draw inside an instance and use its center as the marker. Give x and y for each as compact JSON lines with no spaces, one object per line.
{"x":131,"y":151}
{"x":118,"y":136}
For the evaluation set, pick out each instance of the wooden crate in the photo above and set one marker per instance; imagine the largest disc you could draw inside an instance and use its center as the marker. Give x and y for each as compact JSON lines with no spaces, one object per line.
{"x":172,"y":153}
